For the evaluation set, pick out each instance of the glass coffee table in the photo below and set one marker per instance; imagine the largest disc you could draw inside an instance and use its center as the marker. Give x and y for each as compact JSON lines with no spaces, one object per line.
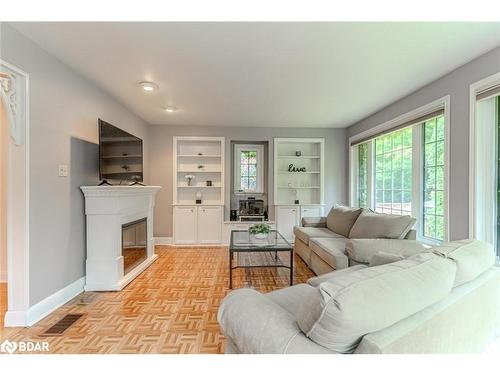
{"x":244,"y":242}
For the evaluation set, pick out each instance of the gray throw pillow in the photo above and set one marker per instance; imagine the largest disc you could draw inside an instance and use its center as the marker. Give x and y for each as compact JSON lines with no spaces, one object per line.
{"x":375,"y":225}
{"x":341,"y":219}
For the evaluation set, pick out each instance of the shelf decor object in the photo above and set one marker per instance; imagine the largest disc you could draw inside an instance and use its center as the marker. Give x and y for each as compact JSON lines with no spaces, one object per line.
{"x":189,"y":178}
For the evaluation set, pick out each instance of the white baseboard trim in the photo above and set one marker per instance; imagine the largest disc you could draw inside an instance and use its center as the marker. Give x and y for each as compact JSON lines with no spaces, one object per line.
{"x":163,"y":241}
{"x":16,"y":319}
{"x":54,"y":301}
{"x":3,"y":276}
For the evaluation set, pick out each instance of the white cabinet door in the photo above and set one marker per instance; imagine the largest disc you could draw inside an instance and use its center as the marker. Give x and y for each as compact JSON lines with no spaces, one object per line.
{"x":209,"y":224}
{"x":311,"y":211}
{"x":185,"y":224}
{"x":287,"y":218}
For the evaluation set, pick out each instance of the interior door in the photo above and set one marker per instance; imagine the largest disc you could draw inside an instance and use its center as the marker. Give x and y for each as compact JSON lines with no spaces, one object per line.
{"x":209,"y":224}
{"x":185,"y":224}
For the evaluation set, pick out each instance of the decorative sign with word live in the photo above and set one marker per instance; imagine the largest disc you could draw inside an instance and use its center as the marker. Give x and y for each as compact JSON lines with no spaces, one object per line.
{"x":292,"y":168}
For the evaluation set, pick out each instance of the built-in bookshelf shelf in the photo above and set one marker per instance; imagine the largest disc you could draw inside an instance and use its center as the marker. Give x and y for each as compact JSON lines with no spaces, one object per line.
{"x":187,"y":162}
{"x":199,"y":156}
{"x":298,"y":173}
{"x":121,"y":156}
{"x":304,"y":186}
{"x":299,"y":157}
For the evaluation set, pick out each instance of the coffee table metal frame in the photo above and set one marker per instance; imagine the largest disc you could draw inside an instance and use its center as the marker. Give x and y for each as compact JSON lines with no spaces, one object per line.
{"x":259,"y":247}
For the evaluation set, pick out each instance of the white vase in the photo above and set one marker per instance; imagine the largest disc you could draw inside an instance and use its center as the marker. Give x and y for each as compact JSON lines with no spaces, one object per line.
{"x":261,"y":236}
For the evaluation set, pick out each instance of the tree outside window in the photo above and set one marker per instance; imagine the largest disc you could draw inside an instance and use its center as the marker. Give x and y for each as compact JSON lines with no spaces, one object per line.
{"x":393,"y":173}
{"x":433,"y":192}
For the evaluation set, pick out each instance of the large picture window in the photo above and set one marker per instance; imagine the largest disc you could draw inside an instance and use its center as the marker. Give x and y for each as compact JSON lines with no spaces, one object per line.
{"x":393,"y":172}
{"x":407,"y":176}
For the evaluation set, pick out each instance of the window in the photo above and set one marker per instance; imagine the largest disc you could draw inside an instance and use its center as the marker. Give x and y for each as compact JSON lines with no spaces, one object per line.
{"x":393,"y":172}
{"x":433,"y":180}
{"x":248,"y":168}
{"x":405,"y":173}
{"x":362,"y":175}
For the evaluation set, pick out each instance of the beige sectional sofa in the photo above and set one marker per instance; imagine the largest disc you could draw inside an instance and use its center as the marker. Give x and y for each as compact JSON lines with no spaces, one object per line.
{"x":333,"y":242}
{"x":443,"y":300}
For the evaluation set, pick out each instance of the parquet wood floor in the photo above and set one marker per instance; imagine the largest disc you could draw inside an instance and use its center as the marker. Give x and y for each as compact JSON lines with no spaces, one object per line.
{"x":169,"y":308}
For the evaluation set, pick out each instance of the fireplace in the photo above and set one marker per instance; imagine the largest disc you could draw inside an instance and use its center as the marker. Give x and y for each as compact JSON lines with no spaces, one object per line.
{"x":134,"y":244}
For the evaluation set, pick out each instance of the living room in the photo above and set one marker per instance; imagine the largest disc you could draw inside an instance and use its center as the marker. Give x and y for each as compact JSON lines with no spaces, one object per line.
{"x":249,"y":187}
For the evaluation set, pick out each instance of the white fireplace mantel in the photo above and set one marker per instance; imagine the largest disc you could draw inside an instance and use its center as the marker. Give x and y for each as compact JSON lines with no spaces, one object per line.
{"x":108,"y":208}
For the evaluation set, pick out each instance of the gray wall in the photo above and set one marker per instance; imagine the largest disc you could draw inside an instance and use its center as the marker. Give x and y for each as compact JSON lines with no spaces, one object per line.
{"x":161,"y":164}
{"x":64,"y":108}
{"x":456,"y":84}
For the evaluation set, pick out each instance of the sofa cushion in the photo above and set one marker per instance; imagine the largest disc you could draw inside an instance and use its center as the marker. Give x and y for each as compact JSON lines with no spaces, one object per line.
{"x":330,"y":250}
{"x":374,"y":225}
{"x":306,"y":233}
{"x":340,"y":219}
{"x":472,"y":258}
{"x":382,"y":258}
{"x":315,"y":281}
{"x":362,"y":250}
{"x":346,"y":308}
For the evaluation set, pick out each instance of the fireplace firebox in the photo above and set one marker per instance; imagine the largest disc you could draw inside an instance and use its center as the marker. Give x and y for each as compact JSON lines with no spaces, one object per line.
{"x":134,"y":244}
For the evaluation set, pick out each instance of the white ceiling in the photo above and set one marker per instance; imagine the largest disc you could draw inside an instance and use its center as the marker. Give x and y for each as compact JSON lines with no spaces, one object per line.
{"x":263,"y":74}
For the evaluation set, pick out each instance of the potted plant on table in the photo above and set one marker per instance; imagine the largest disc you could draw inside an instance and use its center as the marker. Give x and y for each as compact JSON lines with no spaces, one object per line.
{"x":260,"y":231}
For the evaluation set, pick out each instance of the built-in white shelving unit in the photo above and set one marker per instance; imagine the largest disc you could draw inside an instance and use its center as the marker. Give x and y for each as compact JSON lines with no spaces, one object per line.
{"x":203,"y":158}
{"x":304,"y":183}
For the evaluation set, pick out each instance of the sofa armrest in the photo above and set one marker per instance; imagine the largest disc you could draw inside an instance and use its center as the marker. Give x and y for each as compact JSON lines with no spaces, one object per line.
{"x":255,"y":324}
{"x":317,"y":222}
{"x":411,"y":235}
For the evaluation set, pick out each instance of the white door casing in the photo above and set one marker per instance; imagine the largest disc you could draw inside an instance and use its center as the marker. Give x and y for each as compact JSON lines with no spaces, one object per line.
{"x":14,"y":89}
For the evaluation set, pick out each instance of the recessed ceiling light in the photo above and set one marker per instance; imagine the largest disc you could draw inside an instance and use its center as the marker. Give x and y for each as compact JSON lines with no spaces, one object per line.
{"x":170,"y":109}
{"x":148,"y":86}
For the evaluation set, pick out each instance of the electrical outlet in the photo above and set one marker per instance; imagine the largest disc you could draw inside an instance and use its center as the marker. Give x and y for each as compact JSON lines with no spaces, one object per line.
{"x":63,"y":170}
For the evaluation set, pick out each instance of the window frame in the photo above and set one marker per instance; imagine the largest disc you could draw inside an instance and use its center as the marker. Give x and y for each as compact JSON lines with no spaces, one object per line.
{"x":259,"y":149}
{"x":417,"y":164}
{"x":476,"y":231}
